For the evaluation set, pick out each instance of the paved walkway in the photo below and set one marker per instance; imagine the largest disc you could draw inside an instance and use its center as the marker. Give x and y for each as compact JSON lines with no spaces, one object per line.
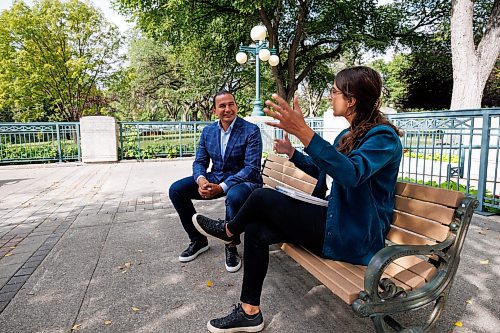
{"x":95,"y":247}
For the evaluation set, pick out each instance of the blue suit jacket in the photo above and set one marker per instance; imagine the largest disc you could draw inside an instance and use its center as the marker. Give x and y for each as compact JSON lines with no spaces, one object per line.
{"x":361,"y":201}
{"x":242,"y":160}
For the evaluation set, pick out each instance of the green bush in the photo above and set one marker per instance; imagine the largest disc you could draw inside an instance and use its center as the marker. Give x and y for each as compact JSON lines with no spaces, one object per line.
{"x":37,"y":151}
{"x":435,"y":157}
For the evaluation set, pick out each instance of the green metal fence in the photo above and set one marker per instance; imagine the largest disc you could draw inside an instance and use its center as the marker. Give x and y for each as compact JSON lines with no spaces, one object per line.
{"x":454,"y":149}
{"x":145,"y":140}
{"x":39,"y":142}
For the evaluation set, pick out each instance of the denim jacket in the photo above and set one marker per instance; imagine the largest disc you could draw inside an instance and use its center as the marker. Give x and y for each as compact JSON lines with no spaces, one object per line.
{"x":361,"y":201}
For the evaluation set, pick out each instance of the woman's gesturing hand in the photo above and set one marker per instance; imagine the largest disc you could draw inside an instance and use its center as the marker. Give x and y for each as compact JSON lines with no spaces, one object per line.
{"x":290,"y":120}
{"x":283,"y":146}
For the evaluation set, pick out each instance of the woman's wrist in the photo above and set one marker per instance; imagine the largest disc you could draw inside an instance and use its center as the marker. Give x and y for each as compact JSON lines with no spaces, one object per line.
{"x":305,"y":136}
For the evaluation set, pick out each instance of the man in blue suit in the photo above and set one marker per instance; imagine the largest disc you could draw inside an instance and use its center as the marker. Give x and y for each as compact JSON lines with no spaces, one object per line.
{"x":235,"y":147}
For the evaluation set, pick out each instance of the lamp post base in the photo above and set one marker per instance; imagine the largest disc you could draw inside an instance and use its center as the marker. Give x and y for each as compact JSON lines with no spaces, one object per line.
{"x":257,"y":109}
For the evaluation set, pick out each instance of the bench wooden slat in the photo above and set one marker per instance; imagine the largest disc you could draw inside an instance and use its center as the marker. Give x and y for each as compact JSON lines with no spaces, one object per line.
{"x":291,"y":171}
{"x":425,"y":209}
{"x":432,"y":194}
{"x":293,"y":182}
{"x":420,"y":225}
{"x":280,"y":160}
{"x":418,"y":266}
{"x":400,"y":236}
{"x":273,"y":182}
{"x":331,"y":279}
{"x":410,"y":278}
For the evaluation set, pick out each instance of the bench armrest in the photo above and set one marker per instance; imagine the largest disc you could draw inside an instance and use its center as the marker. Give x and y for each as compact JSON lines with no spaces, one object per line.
{"x":381,"y":295}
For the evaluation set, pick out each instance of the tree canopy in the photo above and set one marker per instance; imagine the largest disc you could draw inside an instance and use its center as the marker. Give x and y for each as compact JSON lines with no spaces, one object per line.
{"x":306,"y":33}
{"x":54,"y":58}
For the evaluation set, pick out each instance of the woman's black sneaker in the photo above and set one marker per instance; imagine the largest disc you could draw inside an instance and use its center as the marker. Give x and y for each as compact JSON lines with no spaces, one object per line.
{"x":237,"y":321}
{"x":194,"y":249}
{"x":210,"y":227}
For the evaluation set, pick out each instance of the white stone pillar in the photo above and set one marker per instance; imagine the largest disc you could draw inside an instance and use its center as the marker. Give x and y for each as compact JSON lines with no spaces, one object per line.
{"x":99,"y":139}
{"x":333,"y":125}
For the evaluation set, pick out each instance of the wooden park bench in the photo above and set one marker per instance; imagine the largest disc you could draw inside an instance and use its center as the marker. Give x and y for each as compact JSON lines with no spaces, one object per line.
{"x":416,"y":267}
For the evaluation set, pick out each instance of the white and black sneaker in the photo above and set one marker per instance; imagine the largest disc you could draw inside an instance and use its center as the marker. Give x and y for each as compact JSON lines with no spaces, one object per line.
{"x":237,"y":321}
{"x":194,"y":249}
{"x":233,"y":260}
{"x":213,"y":228}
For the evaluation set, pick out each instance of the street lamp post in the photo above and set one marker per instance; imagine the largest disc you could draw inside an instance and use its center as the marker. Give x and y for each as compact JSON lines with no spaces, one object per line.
{"x":261,"y":51}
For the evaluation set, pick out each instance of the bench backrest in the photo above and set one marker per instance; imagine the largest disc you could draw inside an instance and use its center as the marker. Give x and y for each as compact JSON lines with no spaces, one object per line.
{"x":422,"y":214}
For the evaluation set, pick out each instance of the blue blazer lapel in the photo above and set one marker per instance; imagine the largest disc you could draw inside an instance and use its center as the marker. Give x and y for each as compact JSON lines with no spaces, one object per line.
{"x":235,"y":133}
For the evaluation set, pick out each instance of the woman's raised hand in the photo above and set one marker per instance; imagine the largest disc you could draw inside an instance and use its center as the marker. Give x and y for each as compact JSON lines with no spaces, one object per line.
{"x":290,"y":120}
{"x":283,"y":146}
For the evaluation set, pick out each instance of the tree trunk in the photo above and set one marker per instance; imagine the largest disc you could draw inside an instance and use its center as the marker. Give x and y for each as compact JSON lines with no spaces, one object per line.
{"x":472,"y":66}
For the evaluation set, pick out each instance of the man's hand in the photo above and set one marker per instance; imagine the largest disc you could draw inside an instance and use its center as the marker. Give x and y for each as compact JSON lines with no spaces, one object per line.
{"x":283,"y":146}
{"x":208,"y":190}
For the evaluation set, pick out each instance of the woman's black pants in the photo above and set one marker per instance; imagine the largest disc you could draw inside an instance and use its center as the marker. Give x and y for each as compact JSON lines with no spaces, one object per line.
{"x":270,"y":217}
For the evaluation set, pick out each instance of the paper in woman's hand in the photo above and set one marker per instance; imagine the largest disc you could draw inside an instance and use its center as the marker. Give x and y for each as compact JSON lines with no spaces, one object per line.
{"x":301,"y":196}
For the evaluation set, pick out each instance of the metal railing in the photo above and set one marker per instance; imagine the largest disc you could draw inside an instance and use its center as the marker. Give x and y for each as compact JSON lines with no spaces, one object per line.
{"x":145,"y":140}
{"x":39,"y":142}
{"x":454,"y":149}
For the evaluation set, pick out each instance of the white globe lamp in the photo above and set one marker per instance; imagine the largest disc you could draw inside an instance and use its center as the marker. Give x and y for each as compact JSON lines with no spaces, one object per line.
{"x":258,"y":33}
{"x":274,"y":60}
{"x":264,"y":54}
{"x":241,"y":57}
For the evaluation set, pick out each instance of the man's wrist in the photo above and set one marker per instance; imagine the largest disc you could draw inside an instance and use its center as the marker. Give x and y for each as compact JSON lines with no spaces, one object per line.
{"x":291,"y":152}
{"x":198,"y":179}
{"x":223,"y":186}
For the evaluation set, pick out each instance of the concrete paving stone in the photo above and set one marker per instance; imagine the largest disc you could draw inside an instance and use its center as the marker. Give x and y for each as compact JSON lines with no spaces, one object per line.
{"x":46,"y":228}
{"x":14,"y":259}
{"x":30,"y":264}
{"x":41,"y":252}
{"x":3,"y":305}
{"x":18,"y":279}
{"x":3,"y":281}
{"x":90,"y":221}
{"x":25,"y":271}
{"x":10,"y":288}
{"x":5,"y":297}
{"x":27,"y":248}
{"x":37,"y":257}
{"x":8,"y":271}
{"x":25,"y":229}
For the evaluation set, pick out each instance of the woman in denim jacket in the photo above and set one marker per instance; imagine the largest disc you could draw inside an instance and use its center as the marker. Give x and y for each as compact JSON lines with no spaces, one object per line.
{"x":357,"y":174}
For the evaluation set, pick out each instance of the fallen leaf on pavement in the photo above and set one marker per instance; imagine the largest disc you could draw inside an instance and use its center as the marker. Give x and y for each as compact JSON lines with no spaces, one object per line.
{"x":76,"y":327}
{"x":8,"y":255}
{"x":481,"y":233}
{"x":209,"y":283}
{"x":12,"y":247}
{"x":125,"y":267}
{"x":135,"y":309}
{"x":107,"y":322}
{"x":139,"y":250}
{"x":458,"y":324}
{"x":469,"y":301}
{"x":484,"y":262}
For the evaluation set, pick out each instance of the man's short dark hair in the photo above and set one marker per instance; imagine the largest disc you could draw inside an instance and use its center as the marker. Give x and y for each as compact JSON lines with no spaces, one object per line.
{"x":220,"y":93}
